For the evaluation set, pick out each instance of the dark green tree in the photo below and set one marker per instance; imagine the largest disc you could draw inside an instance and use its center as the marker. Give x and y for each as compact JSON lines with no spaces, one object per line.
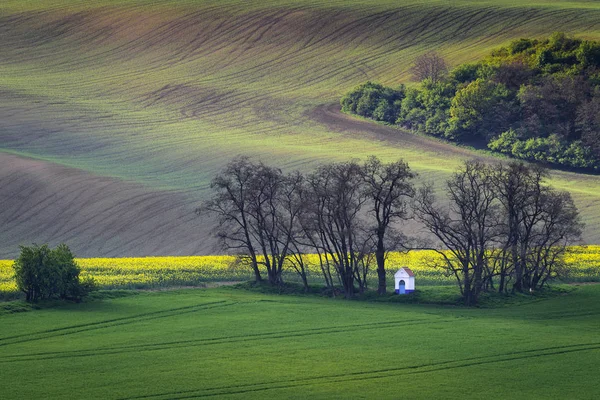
{"x":481,"y":108}
{"x":43,"y":273}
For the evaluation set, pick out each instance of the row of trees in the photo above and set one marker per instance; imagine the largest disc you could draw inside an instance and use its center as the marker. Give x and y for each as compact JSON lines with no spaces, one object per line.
{"x":501,"y":229}
{"x":537,"y":100}
{"x":342,"y":211}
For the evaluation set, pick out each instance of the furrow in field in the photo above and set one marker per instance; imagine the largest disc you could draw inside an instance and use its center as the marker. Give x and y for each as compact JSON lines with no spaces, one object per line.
{"x":280,"y":335}
{"x":71,"y":330}
{"x":165,"y":96}
{"x":375,"y":374}
{"x":96,"y":215}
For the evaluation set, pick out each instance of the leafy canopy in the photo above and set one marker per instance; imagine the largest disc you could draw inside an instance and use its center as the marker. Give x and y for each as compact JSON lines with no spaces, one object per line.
{"x":536,"y":100}
{"x":44,"y":273}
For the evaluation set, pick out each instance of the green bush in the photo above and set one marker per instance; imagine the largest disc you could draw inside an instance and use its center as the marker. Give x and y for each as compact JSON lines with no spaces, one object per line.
{"x":551,"y":150}
{"x":43,"y":273}
{"x":464,"y":73}
{"x":520,"y":45}
{"x":373,"y":100}
{"x":476,"y":108}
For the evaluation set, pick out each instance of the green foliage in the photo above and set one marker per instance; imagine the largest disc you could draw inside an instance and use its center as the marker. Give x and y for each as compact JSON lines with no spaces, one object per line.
{"x":536,"y":100}
{"x":549,"y":150}
{"x":373,"y":100}
{"x":427,"y":110}
{"x":464,"y":73}
{"x":43,"y":273}
{"x":477,"y":108}
{"x":520,"y":45}
{"x":588,"y":54}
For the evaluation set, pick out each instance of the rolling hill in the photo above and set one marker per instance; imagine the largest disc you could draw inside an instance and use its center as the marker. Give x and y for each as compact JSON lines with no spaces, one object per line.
{"x":114,"y":115}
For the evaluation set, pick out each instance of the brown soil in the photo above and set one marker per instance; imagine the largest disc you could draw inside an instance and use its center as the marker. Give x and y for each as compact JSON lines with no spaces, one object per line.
{"x":95,"y":216}
{"x":336,"y":121}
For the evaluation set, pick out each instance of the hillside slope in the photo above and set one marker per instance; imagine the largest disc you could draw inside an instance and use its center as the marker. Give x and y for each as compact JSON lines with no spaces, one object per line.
{"x":156,"y":97}
{"x":45,"y":202}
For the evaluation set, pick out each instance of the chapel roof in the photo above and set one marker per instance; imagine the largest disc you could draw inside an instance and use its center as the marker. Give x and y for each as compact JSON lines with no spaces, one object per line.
{"x":405,"y":270}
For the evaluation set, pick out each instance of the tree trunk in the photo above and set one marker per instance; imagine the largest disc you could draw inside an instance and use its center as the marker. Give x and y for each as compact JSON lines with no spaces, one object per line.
{"x":349,"y":284}
{"x":305,"y":282}
{"x":274,"y":277}
{"x":518,"y":285}
{"x":501,"y":283}
{"x":257,"y":276}
{"x":380,"y":257}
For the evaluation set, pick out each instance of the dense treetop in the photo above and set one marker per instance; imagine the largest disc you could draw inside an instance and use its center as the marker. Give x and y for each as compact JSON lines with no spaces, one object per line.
{"x":534,"y":99}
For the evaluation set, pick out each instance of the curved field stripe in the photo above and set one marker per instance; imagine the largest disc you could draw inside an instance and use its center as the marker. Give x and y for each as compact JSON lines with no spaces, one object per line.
{"x":163,"y":95}
{"x":215,"y":341}
{"x":70,"y":330}
{"x":373,"y":374}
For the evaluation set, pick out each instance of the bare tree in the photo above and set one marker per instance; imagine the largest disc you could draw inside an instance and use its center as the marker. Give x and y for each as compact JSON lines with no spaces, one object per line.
{"x":502,"y":222}
{"x":551,"y":228}
{"x":337,"y":200}
{"x":233,"y":188}
{"x":518,"y":187}
{"x":258,"y":209}
{"x":468,"y":227}
{"x":309,"y":237}
{"x":538,"y":224}
{"x":312,"y":237}
{"x":387,"y":188}
{"x":429,"y":66}
{"x":292,"y":203}
{"x":275,"y":211}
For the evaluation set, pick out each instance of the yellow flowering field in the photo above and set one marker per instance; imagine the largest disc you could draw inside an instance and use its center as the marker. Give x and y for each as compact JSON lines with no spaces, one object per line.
{"x":583,"y":264}
{"x":155,"y":272}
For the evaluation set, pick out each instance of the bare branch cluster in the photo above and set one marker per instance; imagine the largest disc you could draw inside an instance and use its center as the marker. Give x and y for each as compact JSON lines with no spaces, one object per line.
{"x":342,"y":212}
{"x":501,"y":224}
{"x":502,"y":229}
{"x":431,"y":66}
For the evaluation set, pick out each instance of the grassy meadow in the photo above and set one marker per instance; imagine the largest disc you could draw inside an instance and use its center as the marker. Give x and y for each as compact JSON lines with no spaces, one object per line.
{"x":232,"y":344}
{"x":158,"y":95}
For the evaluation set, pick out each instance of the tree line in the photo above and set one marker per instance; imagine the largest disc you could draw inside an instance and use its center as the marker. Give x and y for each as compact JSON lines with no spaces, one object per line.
{"x":500,"y":228}
{"x":536,"y":100}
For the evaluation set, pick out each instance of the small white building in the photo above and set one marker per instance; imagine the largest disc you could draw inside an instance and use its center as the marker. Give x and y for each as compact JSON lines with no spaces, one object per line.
{"x":405,"y":281}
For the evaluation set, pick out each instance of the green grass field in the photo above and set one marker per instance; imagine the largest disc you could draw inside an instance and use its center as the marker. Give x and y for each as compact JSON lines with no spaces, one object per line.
{"x":229,"y":343}
{"x":150,"y":98}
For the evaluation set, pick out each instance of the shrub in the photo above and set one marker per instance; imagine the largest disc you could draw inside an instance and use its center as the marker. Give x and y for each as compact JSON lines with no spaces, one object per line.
{"x":373,"y":100}
{"x":43,"y":273}
{"x":476,"y":110}
{"x":464,"y":73}
{"x":520,"y":45}
{"x":549,"y":149}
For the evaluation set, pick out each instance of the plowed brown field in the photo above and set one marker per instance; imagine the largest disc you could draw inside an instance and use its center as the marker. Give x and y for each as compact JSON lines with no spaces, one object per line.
{"x":114,"y":115}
